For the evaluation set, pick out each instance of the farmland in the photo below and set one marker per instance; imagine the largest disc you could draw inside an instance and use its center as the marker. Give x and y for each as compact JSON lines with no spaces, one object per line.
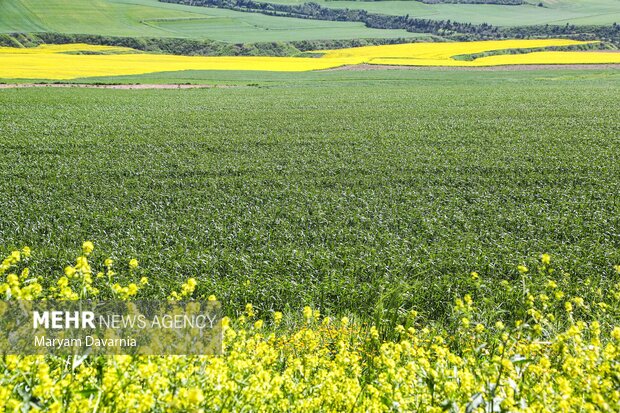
{"x":557,"y":12}
{"x":389,"y":221}
{"x":385,"y":240}
{"x":152,"y":18}
{"x":335,"y":365}
{"x":60,"y":62}
{"x":332,"y":189}
{"x":409,"y":238}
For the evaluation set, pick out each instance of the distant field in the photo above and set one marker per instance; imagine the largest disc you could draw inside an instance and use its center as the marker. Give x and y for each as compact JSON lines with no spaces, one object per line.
{"x":64,"y":62}
{"x":368,"y":77}
{"x":156,"y":19}
{"x":555,"y":11}
{"x":333,"y":189}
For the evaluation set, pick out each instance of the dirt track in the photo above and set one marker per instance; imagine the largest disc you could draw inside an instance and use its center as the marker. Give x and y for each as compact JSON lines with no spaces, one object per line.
{"x":92,"y":86}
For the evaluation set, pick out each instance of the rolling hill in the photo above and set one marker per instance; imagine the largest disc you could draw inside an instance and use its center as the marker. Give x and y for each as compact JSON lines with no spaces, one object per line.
{"x":560,"y":12}
{"x":155,"y":19}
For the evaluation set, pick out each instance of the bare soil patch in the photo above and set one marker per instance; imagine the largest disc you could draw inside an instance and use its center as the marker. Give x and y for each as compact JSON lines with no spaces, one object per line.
{"x":105,"y":86}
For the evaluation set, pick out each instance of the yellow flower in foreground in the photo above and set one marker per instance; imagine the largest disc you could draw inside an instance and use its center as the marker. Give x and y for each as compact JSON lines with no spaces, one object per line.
{"x":195,"y":396}
{"x":326,"y":367}
{"x":16,"y":256}
{"x":249,"y":310}
{"x":87,"y":247}
{"x":546,"y":259}
{"x":307,"y":313}
{"x":133,"y":263}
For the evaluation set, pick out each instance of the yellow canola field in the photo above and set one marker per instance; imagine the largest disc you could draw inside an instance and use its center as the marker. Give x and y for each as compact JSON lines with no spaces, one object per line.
{"x":441,"y":54}
{"x":549,"y":58}
{"x":534,"y":58}
{"x":53,"y":62}
{"x":62,"y":66}
{"x":440,"y":51}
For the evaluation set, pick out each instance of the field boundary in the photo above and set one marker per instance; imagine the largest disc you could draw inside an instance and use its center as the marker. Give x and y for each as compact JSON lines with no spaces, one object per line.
{"x":366,"y":66}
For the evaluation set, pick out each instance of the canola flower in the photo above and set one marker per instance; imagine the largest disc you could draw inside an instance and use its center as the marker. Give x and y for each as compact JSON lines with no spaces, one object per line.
{"x":441,"y":54}
{"x":440,"y":51}
{"x":549,"y":58}
{"x":54,"y":62}
{"x":321,"y":365}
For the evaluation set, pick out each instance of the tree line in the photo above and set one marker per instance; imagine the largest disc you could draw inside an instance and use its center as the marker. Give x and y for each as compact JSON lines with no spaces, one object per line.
{"x":500,"y":2}
{"x":189,"y":47}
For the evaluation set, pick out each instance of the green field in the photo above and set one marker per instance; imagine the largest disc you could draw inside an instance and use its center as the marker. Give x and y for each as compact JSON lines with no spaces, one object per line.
{"x":557,"y":12}
{"x":332,"y":189}
{"x":425,"y":239}
{"x":156,"y":19}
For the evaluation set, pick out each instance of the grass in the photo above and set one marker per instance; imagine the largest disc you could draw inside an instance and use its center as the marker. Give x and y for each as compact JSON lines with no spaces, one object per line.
{"x":555,"y":11}
{"x":156,"y":19}
{"x":350,"y":78}
{"x":347,"y":191}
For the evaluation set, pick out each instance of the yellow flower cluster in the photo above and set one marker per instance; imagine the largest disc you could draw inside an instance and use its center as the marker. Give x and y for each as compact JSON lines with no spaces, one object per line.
{"x":187,"y":289}
{"x":76,"y":283}
{"x":334,"y":366}
{"x":53,"y":62}
{"x":20,"y":286}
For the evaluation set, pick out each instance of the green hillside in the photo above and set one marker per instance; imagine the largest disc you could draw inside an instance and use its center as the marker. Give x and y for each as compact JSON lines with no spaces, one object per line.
{"x":554,"y":11}
{"x":155,"y":19}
